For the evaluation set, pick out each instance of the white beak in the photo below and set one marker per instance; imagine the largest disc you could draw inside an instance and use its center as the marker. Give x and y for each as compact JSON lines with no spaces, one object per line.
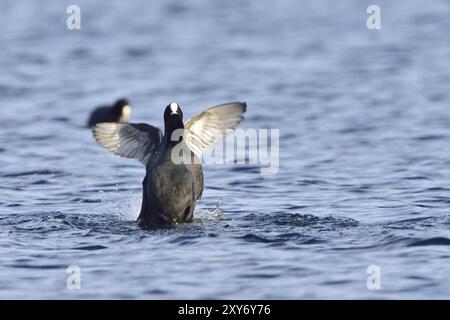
{"x":174,"y":108}
{"x":126,"y":113}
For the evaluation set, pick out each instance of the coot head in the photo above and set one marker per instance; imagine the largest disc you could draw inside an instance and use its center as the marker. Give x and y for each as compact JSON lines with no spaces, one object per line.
{"x":173,"y":119}
{"x":123,"y":110}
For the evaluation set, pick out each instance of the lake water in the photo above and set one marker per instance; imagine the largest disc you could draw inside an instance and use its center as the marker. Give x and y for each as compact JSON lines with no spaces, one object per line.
{"x":364,"y":177}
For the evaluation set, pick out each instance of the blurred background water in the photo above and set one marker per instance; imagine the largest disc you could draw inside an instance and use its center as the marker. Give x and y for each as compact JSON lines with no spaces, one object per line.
{"x":364,"y":173}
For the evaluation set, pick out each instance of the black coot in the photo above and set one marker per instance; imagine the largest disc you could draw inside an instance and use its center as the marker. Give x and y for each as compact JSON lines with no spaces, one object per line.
{"x":174,"y":179}
{"x":120,"y":111}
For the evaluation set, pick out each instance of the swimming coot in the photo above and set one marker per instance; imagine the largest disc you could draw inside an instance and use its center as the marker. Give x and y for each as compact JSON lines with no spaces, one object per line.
{"x":171,"y":187}
{"x":120,"y":111}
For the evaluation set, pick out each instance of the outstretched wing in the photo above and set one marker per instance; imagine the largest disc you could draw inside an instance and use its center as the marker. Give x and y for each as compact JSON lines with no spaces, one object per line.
{"x":206,"y":128}
{"x":131,"y":140}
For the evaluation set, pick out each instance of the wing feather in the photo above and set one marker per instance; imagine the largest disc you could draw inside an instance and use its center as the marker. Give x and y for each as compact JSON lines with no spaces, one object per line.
{"x":206,"y":128}
{"x":131,"y":140}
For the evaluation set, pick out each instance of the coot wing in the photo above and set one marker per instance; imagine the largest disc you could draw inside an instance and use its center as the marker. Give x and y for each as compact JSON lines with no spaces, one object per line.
{"x":131,"y":140}
{"x":208,"y":127}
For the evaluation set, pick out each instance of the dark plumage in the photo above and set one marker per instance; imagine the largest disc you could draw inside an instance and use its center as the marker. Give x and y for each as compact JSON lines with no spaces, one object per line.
{"x":119,"y":112}
{"x":171,"y":187}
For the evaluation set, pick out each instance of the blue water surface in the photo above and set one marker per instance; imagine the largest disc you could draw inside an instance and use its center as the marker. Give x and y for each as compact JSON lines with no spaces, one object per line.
{"x":364,"y":177}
